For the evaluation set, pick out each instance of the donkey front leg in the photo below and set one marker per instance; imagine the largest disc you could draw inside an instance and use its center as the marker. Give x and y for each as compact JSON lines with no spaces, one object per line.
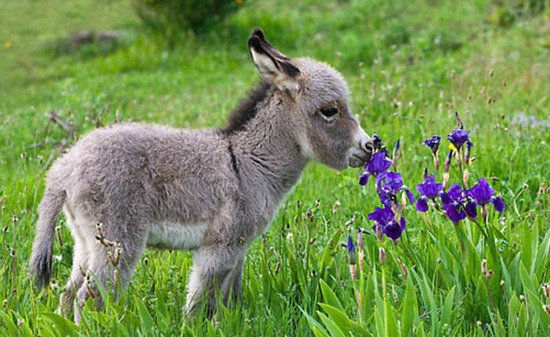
{"x":216,"y":271}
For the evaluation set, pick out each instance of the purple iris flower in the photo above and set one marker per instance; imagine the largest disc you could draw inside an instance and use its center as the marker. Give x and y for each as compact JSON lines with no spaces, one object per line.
{"x":483,"y":194}
{"x":376,"y":142}
{"x":458,"y":137}
{"x":351,"y":251}
{"x":378,"y":164}
{"x":388,"y":185}
{"x":428,"y":190}
{"x":433,"y":143}
{"x":386,"y":223}
{"x":453,"y":202}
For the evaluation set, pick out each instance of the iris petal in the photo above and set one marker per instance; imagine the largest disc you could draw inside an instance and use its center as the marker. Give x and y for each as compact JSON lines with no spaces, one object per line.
{"x":393,"y":230}
{"x":403,"y":224}
{"x":429,"y":188}
{"x":422,"y":204}
{"x":350,"y":245}
{"x":364,"y":178}
{"x":385,"y":222}
{"x":379,"y":178}
{"x":378,"y":163}
{"x":455,"y":214}
{"x":498,"y":203}
{"x":470,"y":209}
{"x":481,"y":192}
{"x":410,"y":196}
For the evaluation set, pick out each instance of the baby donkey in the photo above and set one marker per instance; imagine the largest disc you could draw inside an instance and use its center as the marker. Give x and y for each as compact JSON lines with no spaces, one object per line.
{"x":130,"y":186}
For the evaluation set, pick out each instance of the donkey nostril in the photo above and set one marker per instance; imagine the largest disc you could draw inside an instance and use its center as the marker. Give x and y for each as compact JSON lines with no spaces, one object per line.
{"x":367,"y":147}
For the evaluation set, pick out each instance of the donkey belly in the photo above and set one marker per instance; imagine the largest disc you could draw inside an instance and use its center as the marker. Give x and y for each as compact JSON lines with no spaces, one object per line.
{"x":176,"y":236}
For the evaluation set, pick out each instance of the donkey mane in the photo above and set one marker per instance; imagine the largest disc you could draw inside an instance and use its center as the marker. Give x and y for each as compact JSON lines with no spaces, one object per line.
{"x":247,"y":109}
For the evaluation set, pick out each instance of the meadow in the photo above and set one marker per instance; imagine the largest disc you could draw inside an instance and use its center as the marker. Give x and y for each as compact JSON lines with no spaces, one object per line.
{"x":411,"y":66}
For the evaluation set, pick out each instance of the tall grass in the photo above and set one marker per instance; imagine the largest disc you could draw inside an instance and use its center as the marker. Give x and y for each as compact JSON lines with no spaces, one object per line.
{"x":410,"y":66}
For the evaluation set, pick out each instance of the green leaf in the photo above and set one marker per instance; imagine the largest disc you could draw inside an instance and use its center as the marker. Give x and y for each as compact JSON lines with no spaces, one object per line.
{"x":8,"y":324}
{"x":162,"y":321}
{"x":331,"y":326}
{"x":315,"y":326}
{"x":514,"y":306}
{"x":378,"y":316}
{"x":427,"y":297}
{"x":25,"y":330}
{"x":329,"y":296}
{"x":410,"y":309}
{"x":528,"y":245}
{"x":147,"y":322}
{"x":342,"y":320}
{"x":319,"y":332}
{"x":421,"y":331}
{"x":526,"y":279}
{"x":390,"y":323}
{"x":119,"y":330}
{"x":62,"y":326}
{"x":446,"y":313}
{"x":542,"y":261}
{"x":522,"y":320}
{"x":328,"y":258}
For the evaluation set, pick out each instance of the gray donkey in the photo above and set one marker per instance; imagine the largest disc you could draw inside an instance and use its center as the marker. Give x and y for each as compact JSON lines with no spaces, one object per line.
{"x":130,"y":186}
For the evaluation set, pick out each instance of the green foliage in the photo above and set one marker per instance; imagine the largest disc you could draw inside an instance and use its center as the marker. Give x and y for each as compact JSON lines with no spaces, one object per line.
{"x":410,"y":66}
{"x":409,"y":311}
{"x":505,"y":13}
{"x":173,"y":18}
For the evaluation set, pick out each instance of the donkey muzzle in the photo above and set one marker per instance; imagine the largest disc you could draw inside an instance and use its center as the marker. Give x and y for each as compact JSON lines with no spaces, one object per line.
{"x":361,"y":154}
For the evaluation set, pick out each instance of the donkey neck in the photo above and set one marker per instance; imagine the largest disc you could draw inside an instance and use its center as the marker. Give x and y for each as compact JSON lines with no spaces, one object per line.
{"x":266,"y":150}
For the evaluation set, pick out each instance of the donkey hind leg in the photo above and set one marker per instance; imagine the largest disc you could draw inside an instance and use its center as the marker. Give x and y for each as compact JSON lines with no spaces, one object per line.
{"x":108,"y":271}
{"x":216,"y":271}
{"x":80,"y":265}
{"x":237,"y":280}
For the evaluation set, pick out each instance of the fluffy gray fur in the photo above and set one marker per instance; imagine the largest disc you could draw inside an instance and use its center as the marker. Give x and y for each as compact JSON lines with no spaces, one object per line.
{"x":210,"y":191}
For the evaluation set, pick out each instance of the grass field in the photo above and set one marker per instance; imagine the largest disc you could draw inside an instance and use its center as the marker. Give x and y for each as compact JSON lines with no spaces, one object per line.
{"x":410,"y":65}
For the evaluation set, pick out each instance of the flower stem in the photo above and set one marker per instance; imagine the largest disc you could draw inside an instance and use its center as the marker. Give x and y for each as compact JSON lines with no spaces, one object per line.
{"x":353,"y":272}
{"x":494,"y":309}
{"x":359,"y":302}
{"x":386,"y":304}
{"x":461,"y":237}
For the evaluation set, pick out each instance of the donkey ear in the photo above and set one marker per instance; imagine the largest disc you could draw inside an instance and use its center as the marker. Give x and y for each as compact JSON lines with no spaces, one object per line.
{"x":272,"y":64}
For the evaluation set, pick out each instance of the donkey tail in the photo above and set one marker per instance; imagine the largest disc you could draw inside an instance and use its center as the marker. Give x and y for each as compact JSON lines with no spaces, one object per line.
{"x":40,"y":267}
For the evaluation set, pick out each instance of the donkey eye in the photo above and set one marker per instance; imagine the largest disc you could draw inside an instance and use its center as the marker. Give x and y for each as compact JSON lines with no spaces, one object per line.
{"x":329,"y":112}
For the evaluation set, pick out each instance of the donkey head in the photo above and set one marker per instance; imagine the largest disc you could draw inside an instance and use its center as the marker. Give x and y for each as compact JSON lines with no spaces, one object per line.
{"x":316,"y":103}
